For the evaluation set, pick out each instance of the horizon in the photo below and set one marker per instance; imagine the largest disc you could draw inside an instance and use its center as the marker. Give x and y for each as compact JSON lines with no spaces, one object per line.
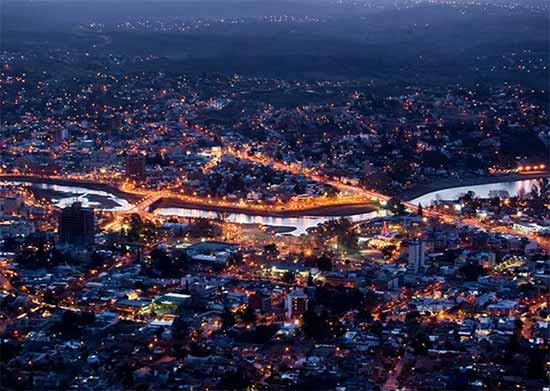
{"x":347,"y":195}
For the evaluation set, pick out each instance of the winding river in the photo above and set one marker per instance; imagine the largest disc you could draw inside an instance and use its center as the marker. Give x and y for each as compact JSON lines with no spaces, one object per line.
{"x":63,"y":195}
{"x":512,"y":188}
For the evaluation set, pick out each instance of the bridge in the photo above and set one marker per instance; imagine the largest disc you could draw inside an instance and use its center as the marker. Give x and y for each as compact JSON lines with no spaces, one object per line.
{"x":349,"y":195}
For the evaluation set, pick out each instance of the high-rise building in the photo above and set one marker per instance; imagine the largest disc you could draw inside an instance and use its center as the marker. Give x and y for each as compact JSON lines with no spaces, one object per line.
{"x":260,"y":301}
{"x":417,"y":255}
{"x":135,"y":167}
{"x":61,"y":135}
{"x":76,"y":225}
{"x":112,"y":125}
{"x":296,"y":303}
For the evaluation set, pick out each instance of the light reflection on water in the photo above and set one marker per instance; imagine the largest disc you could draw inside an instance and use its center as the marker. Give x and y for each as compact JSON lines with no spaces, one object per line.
{"x":483,"y":191}
{"x":300,"y":224}
{"x":103,"y":200}
{"x":98,"y":199}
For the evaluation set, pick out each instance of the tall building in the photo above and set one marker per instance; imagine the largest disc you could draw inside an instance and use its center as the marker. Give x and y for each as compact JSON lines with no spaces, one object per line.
{"x":135,"y":167}
{"x":417,"y":255}
{"x":296,"y":303}
{"x":112,"y":125}
{"x":76,"y":225}
{"x":260,"y":301}
{"x":61,"y":135}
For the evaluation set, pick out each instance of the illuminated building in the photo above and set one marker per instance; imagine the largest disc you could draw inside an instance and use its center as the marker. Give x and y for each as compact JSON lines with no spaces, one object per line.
{"x":296,"y":303}
{"x":417,"y":255}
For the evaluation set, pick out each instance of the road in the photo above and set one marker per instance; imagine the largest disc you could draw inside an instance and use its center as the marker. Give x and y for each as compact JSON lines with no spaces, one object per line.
{"x":348,"y":195}
{"x":392,"y":382}
{"x":148,"y":197}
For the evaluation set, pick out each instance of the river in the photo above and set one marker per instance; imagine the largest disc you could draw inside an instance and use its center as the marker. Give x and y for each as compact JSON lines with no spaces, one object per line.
{"x":63,"y":195}
{"x":513,"y":188}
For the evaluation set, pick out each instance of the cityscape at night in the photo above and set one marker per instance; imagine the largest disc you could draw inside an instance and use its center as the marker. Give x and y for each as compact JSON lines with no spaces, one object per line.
{"x":277,"y":195}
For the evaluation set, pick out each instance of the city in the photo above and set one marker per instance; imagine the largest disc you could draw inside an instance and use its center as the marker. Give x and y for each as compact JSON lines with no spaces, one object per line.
{"x":342,"y":195}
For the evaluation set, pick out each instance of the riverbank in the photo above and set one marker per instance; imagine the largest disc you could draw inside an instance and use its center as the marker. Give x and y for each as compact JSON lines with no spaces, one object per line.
{"x":130,"y":197}
{"x":341,"y":210}
{"x":321,"y":211}
{"x":448,"y":183}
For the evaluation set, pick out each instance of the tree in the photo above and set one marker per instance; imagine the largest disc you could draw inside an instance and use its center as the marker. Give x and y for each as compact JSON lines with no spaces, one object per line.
{"x":435,"y":159}
{"x":324,"y":263}
{"x":412,"y":316}
{"x":271,"y":248}
{"x":125,"y":372}
{"x":180,"y":328}
{"x":395,"y":206}
{"x":300,"y":188}
{"x":471,"y":271}
{"x":387,"y":251}
{"x":322,"y":326}
{"x":248,"y":315}
{"x":339,"y":299}
{"x":70,"y":322}
{"x":523,"y":142}
{"x":164,"y":265}
{"x":8,"y":349}
{"x":538,"y":196}
{"x":314,"y":326}
{"x":289,"y":277}
{"x":43,"y":257}
{"x":420,"y":343}
{"x":364,"y":315}
{"x":222,"y":216}
{"x":344,"y":231}
{"x":377,"y":328}
{"x":136,"y":228}
{"x":237,"y":380}
{"x":204,"y":228}
{"x":537,"y":360}
{"x":309,"y":280}
{"x":96,"y":260}
{"x":9,"y":244}
{"x":228,"y":319}
{"x":400,"y":171}
{"x":261,"y":334}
